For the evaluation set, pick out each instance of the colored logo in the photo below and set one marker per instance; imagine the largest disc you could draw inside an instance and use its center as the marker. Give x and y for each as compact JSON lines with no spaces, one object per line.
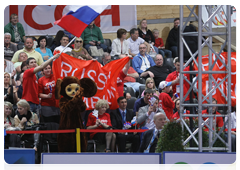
{"x":205,"y":166}
{"x":209,"y":166}
{"x":181,"y":165}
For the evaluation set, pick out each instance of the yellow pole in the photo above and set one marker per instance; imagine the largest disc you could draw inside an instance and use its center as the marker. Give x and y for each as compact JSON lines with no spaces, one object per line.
{"x":78,"y":141}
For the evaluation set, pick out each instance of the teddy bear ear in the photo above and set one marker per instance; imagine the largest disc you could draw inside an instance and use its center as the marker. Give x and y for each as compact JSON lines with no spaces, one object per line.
{"x":58,"y":89}
{"x":89,"y":86}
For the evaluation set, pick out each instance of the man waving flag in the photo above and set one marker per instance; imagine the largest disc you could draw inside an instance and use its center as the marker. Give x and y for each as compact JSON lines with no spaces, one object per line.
{"x":79,"y":17}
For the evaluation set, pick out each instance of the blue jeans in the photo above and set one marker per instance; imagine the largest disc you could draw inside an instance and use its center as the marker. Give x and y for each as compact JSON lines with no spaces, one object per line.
{"x":134,"y":85}
{"x":156,"y":49}
{"x":233,"y":141}
{"x":103,"y":46}
{"x":174,"y":50}
{"x":33,"y":107}
{"x":164,"y":51}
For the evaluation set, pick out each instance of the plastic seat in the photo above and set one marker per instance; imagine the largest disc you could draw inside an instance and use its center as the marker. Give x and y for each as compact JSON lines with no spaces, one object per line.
{"x":131,"y":102}
{"x":141,"y":80}
{"x":129,"y":90}
{"x":108,"y":43}
{"x":49,"y":139}
{"x":141,"y":89}
{"x":50,"y":39}
{"x":169,"y":62}
{"x":115,"y":57}
{"x":20,"y":45}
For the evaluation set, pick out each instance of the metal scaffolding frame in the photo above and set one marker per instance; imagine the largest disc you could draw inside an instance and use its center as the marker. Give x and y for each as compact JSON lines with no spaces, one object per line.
{"x":204,"y":29}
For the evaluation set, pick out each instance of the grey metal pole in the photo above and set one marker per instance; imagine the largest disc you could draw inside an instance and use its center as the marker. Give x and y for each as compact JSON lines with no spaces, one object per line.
{"x":199,"y":77}
{"x":181,"y":61}
{"x":210,"y":76}
{"x":229,"y":73}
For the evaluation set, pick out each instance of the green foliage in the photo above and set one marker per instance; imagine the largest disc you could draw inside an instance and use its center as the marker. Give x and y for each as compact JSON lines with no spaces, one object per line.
{"x":205,"y":142}
{"x":170,"y":137}
{"x":218,"y":142}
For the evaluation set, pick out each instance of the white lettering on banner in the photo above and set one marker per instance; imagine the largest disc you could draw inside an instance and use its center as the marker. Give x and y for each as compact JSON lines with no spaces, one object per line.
{"x":39,"y":19}
{"x":221,"y":89}
{"x":233,"y":73}
{"x":83,"y":72}
{"x":90,"y":75}
{"x":103,"y":82}
{"x":65,"y":71}
{"x":236,"y":90}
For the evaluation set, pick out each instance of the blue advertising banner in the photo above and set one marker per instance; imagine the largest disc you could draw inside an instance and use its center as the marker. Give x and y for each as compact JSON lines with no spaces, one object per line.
{"x":19,"y":156}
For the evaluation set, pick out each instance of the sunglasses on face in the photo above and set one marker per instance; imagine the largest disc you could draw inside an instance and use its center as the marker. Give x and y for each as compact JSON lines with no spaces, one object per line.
{"x":78,"y":41}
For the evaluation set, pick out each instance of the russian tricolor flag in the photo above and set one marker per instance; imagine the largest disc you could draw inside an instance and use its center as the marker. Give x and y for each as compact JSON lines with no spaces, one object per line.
{"x":79,"y":17}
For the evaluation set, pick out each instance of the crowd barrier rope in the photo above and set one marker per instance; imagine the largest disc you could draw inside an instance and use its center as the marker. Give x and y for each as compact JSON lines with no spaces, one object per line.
{"x":77,"y":131}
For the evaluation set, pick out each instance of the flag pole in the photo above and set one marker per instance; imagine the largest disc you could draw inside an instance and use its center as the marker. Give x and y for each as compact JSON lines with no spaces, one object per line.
{"x":68,"y":44}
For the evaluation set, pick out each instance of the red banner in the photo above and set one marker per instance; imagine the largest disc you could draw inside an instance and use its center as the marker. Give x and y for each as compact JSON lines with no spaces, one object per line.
{"x":105,"y":77}
{"x":220,"y":96}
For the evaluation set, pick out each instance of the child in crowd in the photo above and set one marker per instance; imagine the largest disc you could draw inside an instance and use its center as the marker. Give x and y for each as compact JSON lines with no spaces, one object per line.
{"x":165,"y":101}
{"x":160,"y":45}
{"x":150,"y":84}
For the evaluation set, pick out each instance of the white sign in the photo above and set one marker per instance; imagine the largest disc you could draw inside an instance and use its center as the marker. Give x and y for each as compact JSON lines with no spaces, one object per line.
{"x":220,"y":18}
{"x":98,"y":158}
{"x":198,"y":158}
{"x":39,"y":19}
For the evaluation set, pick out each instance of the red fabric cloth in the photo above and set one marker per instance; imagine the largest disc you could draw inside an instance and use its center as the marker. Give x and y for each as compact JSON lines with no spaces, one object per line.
{"x":219,"y":121}
{"x":105,"y":118}
{"x":120,"y":83}
{"x":159,"y":42}
{"x":177,"y":116}
{"x":129,"y":78}
{"x":43,"y":87}
{"x":30,"y":86}
{"x":166,"y":103}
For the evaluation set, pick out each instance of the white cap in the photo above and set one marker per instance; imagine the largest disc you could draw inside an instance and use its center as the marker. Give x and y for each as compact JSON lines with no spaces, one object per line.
{"x":164,"y":84}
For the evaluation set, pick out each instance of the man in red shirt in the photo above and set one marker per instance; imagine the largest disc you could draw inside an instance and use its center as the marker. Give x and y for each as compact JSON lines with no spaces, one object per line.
{"x":121,"y":76}
{"x":165,"y":101}
{"x":30,"y":83}
{"x":218,"y":122}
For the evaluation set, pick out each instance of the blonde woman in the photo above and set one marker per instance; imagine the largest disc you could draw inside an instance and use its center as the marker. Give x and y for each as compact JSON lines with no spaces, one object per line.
{"x":10,"y":91}
{"x":150,"y":84}
{"x":99,"y":119}
{"x":11,"y":140}
{"x":25,"y":117}
{"x":146,"y":34}
{"x":8,"y":120}
{"x":78,"y":51}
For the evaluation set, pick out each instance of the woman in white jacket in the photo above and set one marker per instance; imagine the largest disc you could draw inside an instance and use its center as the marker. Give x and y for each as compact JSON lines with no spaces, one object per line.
{"x":120,"y":44}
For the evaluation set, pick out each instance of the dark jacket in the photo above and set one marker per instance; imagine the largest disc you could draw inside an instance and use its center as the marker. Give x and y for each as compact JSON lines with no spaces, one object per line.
{"x":172,"y":39}
{"x":146,"y":139}
{"x":147,"y":37}
{"x":116,"y":118}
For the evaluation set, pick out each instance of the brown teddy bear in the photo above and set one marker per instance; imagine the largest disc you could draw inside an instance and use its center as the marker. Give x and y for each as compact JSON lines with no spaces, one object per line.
{"x":71,"y":105}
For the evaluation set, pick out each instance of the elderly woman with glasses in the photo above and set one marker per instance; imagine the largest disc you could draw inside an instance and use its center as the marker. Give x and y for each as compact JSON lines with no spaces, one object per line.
{"x":99,"y":119}
{"x":78,"y":51}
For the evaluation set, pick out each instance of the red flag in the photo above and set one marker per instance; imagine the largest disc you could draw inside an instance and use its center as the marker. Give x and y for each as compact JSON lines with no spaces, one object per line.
{"x":218,"y":77}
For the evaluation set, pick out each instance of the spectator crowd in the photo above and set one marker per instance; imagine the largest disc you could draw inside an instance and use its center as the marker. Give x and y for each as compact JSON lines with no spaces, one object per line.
{"x":148,"y":86}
